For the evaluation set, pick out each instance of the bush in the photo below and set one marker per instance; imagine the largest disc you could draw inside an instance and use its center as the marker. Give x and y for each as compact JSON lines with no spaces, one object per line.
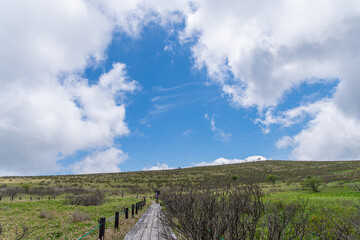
{"x":95,"y":199}
{"x":235,"y":214}
{"x":46,"y":214}
{"x":272,"y":178}
{"x":79,"y":217}
{"x":312,"y":182}
{"x":232,"y":214}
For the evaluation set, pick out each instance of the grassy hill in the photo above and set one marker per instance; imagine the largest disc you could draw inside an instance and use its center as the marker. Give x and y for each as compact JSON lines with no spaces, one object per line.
{"x":146,"y":181}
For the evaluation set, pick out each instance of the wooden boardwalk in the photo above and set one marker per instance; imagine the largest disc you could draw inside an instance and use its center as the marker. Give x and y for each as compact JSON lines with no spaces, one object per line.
{"x":149,"y":226}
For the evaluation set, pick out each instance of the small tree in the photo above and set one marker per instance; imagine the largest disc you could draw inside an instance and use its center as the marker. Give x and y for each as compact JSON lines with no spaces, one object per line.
{"x":312,"y":182}
{"x":25,"y":187}
{"x":272,"y":178}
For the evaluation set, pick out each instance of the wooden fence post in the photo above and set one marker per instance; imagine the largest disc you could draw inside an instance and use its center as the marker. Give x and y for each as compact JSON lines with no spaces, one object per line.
{"x":132,"y":210}
{"x":136,"y":209}
{"x":117,"y":220}
{"x":126,"y":213}
{"x":102,"y":229}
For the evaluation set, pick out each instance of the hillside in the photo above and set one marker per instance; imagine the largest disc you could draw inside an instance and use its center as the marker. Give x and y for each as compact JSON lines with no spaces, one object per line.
{"x":145,"y":181}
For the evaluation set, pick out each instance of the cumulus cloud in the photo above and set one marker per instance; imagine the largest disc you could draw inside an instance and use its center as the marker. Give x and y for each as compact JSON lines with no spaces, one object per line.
{"x":219,"y":133}
{"x":162,"y":166}
{"x":260,"y":51}
{"x":100,"y":162}
{"x":222,"y":161}
{"x":291,"y":116}
{"x":47,"y":111}
{"x":269,"y":48}
{"x":331,"y":135}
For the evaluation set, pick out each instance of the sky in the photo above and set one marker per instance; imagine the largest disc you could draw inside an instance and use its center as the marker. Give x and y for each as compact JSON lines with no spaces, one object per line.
{"x":90,"y":86}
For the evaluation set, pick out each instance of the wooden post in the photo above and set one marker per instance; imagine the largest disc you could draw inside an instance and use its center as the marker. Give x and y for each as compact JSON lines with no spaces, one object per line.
{"x":49,"y":197}
{"x":132,"y":210}
{"x":117,"y":220}
{"x":102,"y":229}
{"x":126,"y":213}
{"x":137,"y":207}
{"x":0,"y":198}
{"x":30,"y":198}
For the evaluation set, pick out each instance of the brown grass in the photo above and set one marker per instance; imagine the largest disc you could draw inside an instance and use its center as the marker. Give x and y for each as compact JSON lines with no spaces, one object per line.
{"x":79,"y":217}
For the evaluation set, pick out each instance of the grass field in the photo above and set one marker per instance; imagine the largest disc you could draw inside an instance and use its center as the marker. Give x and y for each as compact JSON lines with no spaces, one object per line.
{"x":53,"y":219}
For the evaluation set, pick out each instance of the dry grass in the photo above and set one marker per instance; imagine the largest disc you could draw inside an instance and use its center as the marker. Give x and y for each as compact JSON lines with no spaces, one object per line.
{"x":46,"y":214}
{"x":79,"y":217}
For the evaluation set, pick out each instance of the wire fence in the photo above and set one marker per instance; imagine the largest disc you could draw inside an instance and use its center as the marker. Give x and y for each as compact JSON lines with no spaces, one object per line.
{"x":102,"y":221}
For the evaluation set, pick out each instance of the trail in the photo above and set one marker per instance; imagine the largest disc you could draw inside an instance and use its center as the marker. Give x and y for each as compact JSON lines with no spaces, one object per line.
{"x":149,"y":226}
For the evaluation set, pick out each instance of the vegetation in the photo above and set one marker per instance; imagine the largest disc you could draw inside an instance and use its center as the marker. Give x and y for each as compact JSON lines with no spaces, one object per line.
{"x":241,"y":213}
{"x":95,"y":199}
{"x":272,"y":178}
{"x":312,"y":182}
{"x":333,"y":204}
{"x":56,"y":219}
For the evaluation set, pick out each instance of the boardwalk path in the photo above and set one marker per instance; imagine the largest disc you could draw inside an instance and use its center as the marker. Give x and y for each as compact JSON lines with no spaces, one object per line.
{"x":149,"y":226}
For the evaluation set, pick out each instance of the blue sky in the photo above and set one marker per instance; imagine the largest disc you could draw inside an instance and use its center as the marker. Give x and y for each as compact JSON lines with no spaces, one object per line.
{"x":119,"y":86}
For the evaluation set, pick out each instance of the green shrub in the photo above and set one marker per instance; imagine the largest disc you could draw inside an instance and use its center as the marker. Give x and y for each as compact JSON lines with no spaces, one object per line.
{"x":312,"y":182}
{"x":272,"y":178}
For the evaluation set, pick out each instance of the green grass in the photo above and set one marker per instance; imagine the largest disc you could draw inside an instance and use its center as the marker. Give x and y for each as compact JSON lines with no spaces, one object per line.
{"x":59,"y":225}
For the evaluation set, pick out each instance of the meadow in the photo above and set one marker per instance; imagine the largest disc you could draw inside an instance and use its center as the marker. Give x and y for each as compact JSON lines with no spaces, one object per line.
{"x":59,"y":219}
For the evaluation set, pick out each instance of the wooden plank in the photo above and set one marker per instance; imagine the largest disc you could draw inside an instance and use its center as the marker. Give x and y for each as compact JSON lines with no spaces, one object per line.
{"x":149,"y":226}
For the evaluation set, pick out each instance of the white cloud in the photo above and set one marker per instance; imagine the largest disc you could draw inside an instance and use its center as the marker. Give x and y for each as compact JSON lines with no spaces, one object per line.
{"x":222,"y":161}
{"x":47,"y":111}
{"x":292,"y":116}
{"x":219,"y":133}
{"x":260,"y":51}
{"x":332,"y":135}
{"x":116,"y":80}
{"x":162,"y":166}
{"x":269,"y":47}
{"x":100,"y":162}
{"x":188,"y":132}
{"x":284,"y":142}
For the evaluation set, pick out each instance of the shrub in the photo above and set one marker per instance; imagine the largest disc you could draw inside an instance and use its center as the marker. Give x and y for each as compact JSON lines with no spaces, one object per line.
{"x":46,"y":214}
{"x":88,"y":200}
{"x":79,"y":217}
{"x":272,"y":178}
{"x":235,"y":214}
{"x":312,"y":182}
